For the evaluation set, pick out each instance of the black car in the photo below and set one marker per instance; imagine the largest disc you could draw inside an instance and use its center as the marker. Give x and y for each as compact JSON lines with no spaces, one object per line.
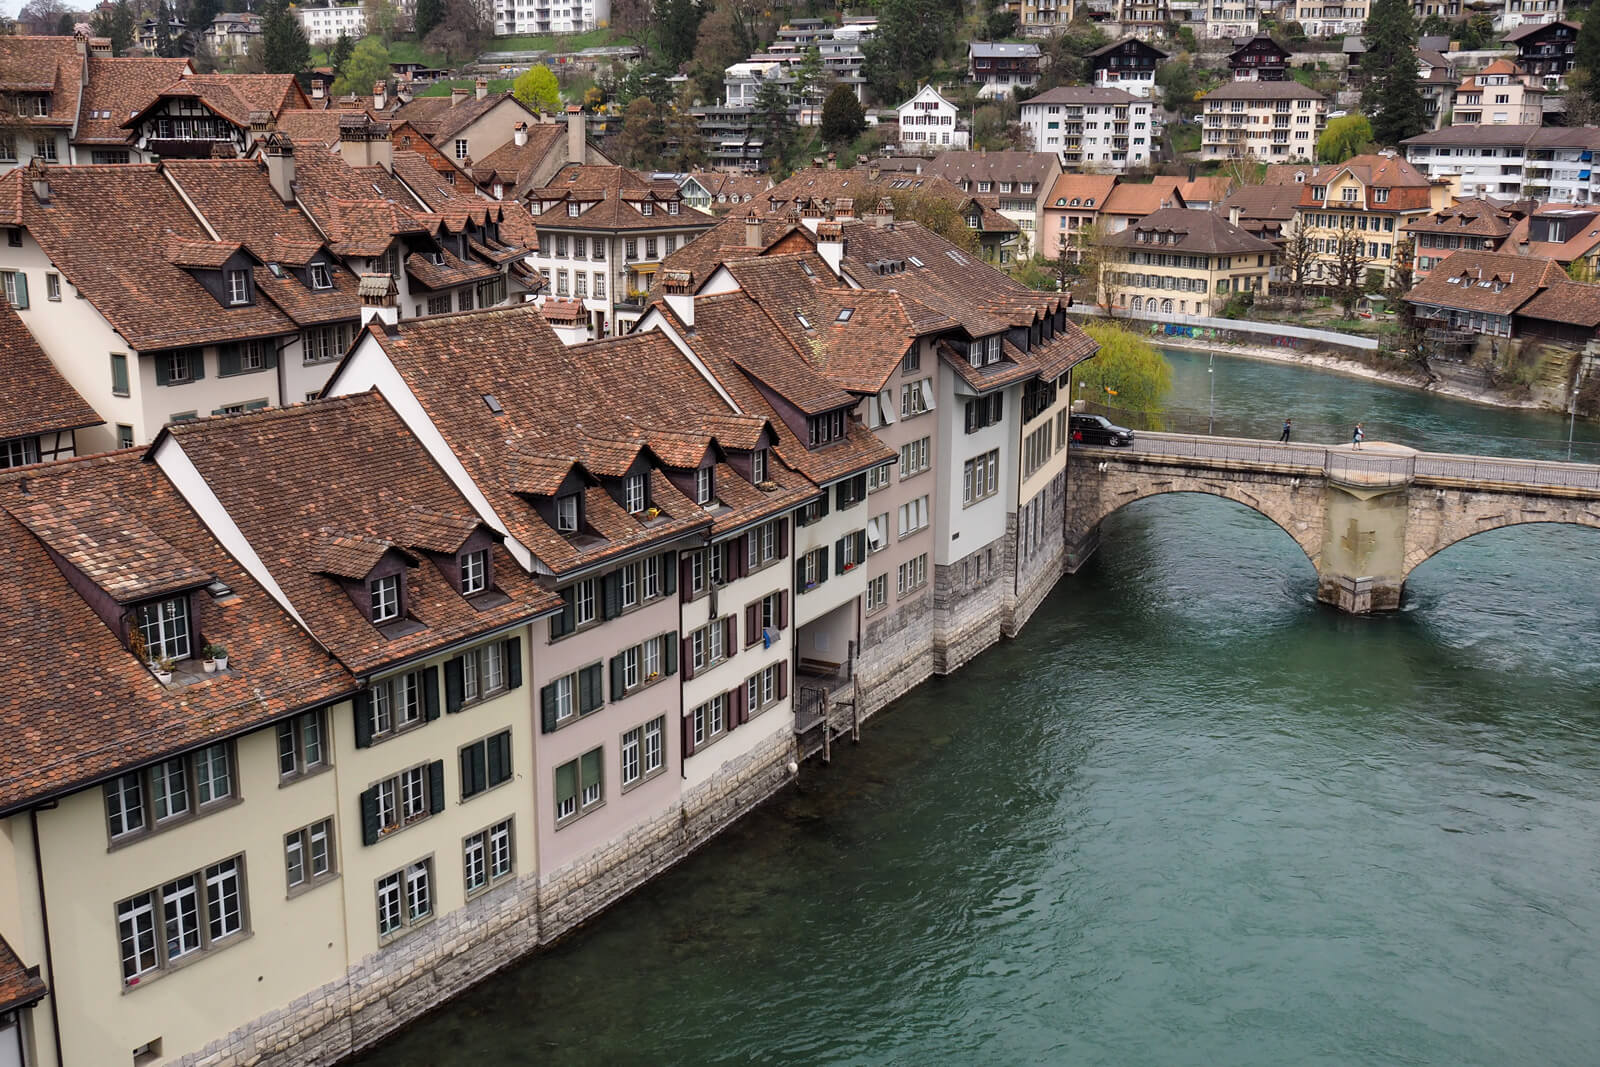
{"x":1099,"y":430}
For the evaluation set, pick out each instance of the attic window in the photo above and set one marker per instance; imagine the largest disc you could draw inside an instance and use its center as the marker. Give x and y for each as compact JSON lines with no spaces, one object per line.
{"x":806,"y":267}
{"x":320,"y":278}
{"x":758,"y":466}
{"x":705,"y":485}
{"x":844,"y":314}
{"x":1089,"y":202}
{"x":647,"y":208}
{"x":493,"y":404}
{"x":567,"y":513}
{"x":238,"y":287}
{"x":474,"y":571}
{"x":574,"y":209}
{"x":276,"y":269}
{"x":635,"y":495}
{"x":915,"y":262}
{"x":163,"y":625}
{"x":805,"y":322}
{"x":219,"y":589}
{"x":385,"y":594}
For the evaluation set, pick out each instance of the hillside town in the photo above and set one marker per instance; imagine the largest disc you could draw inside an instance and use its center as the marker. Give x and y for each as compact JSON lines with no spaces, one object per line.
{"x":405,"y":423}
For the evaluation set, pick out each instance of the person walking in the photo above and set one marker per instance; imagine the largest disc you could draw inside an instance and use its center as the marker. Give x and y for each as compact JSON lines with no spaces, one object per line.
{"x":1285,"y":438}
{"x":1357,"y":437}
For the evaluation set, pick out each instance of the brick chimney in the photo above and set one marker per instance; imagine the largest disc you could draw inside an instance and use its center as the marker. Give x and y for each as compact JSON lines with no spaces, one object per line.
{"x":577,"y":141}
{"x":403,"y":92}
{"x":752,"y":230}
{"x":261,"y":125}
{"x":884,"y":219}
{"x":481,"y":87}
{"x":365,"y":143}
{"x":458,"y":95}
{"x":41,"y":183}
{"x":279,"y":154}
{"x":380,"y":96}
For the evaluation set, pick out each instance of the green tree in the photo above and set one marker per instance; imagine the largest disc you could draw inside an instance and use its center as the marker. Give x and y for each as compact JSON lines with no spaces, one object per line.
{"x":428,"y":15}
{"x":1586,"y":55}
{"x":842,"y":117}
{"x":641,"y":140}
{"x":1391,"y":95}
{"x":1178,"y":85}
{"x":1066,"y":55}
{"x":1477,"y":32}
{"x":902,"y":53}
{"x":284,"y":48}
{"x":201,"y":14}
{"x":776,"y":123}
{"x":536,"y":88}
{"x":462,"y":33}
{"x":117,"y":24}
{"x":367,"y":65}
{"x":717,"y":42}
{"x":382,"y":17}
{"x":339,"y":54}
{"x":810,"y":76}
{"x":998,"y":25}
{"x":686,"y":148}
{"x":677,"y":24}
{"x":165,"y":47}
{"x":1402,"y":272}
{"x":940,"y":214}
{"x":1127,"y":372}
{"x":1344,"y":137}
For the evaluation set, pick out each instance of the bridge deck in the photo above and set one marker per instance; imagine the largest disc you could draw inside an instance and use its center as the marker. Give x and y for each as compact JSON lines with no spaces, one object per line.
{"x":1375,"y":465}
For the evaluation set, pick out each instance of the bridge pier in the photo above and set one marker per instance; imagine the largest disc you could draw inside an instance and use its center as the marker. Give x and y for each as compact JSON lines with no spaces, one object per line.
{"x":1362,"y":565}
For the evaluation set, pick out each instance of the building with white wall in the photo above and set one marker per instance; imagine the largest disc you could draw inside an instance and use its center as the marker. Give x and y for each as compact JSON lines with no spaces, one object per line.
{"x":326,"y":23}
{"x":928,"y":120}
{"x":1090,"y":127}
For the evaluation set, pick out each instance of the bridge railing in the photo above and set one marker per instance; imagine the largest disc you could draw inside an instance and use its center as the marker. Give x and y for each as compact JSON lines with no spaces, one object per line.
{"x":1529,"y":472}
{"x":1234,"y":449}
{"x":1369,"y":468}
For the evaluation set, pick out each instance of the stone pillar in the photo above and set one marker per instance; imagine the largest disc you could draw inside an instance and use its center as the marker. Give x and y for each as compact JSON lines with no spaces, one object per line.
{"x":1362,"y":565}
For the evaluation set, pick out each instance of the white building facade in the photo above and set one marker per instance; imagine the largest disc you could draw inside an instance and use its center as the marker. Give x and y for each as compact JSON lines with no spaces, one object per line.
{"x":1103,"y":129}
{"x":928,"y":119}
{"x":326,"y":24}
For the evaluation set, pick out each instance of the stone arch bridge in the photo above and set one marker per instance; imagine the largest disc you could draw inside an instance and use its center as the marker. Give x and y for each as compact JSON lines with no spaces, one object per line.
{"x":1364,"y":519}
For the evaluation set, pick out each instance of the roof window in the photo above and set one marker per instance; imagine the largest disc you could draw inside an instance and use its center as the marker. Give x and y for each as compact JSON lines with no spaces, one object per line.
{"x":805,"y":322}
{"x":844,"y":314}
{"x":493,"y":404}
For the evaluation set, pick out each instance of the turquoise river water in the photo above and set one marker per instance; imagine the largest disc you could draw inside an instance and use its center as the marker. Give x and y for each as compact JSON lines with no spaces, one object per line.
{"x":1190,"y":816}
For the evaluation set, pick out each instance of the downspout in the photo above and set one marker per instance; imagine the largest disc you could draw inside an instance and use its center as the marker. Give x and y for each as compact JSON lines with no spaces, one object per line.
{"x":44,"y":915}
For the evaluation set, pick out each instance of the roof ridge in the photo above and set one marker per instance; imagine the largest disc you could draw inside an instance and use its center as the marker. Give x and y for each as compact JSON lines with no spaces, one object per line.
{"x":188,"y":426}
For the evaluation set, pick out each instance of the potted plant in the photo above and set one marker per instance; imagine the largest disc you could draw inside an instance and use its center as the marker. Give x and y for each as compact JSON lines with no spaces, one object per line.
{"x":162,"y":668}
{"x":215,"y":658}
{"x":651,"y":514}
{"x":222,"y":657}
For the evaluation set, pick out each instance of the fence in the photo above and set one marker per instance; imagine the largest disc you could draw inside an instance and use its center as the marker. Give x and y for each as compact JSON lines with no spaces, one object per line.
{"x":1238,"y":331}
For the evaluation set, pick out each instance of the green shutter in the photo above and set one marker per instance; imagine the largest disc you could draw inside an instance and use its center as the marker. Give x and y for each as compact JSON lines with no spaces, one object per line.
{"x":455,"y":687}
{"x":119,"y":374}
{"x":469,"y":757}
{"x":498,"y":751}
{"x":513,"y":661}
{"x":363,"y":707}
{"x":430,"y":694}
{"x":611,"y":587}
{"x":197,"y":364}
{"x":547,"y":709}
{"x":822,"y":564}
{"x":369,"y":816}
{"x":590,"y":697}
{"x":436,"y":786}
{"x":617,"y":687}
{"x":566,"y":782}
{"x":861,"y":545}
{"x":162,"y":377}
{"x":669,"y":573}
{"x":227,"y":360}
{"x":838,"y":555}
{"x":589,"y":772}
{"x":669,"y":654}
{"x":271,"y":362}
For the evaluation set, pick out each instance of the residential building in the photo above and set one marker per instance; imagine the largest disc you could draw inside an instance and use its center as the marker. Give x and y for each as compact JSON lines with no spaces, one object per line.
{"x":1176,"y":261}
{"x":603,"y":232}
{"x":326,"y":23}
{"x":231,"y":35}
{"x":1437,"y":83}
{"x":1375,"y":196}
{"x":999,"y":68}
{"x":1472,"y":294}
{"x":1090,"y":127}
{"x":533,"y":155}
{"x":1205,"y":193}
{"x":1267,"y":120}
{"x":842,"y":52}
{"x":1521,"y":13}
{"x":40,"y":78}
{"x":1497,"y":96}
{"x":1042,"y":15}
{"x":147,"y":35}
{"x":466,"y":125}
{"x":1324,"y":19}
{"x":1021,"y":181}
{"x":742,"y":81}
{"x":1074,"y":204}
{"x":1511,"y":162}
{"x":40,"y":412}
{"x":1128,"y":202}
{"x":115,"y":89}
{"x":1569,"y":234}
{"x":1259,"y":59}
{"x":929,"y":122}
{"x":1264,"y":211}
{"x":1473,"y":224}
{"x":1147,"y":18}
{"x":719,"y":192}
{"x":1129,"y":64}
{"x":733,"y":138}
{"x":1231,"y":20}
{"x":511,"y":18}
{"x":1545,"y":50}
{"x":199,"y":115}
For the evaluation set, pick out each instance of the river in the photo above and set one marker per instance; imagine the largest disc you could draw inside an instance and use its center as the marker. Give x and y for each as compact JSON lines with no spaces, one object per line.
{"x":1190,"y":816}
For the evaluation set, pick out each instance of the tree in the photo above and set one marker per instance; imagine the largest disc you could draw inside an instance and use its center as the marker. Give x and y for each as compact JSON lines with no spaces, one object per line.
{"x":368,"y":64}
{"x":640,"y":142}
{"x":201,"y":14}
{"x":1064,"y":55}
{"x":902,"y":53}
{"x":677,"y":23}
{"x":117,"y":24}
{"x":537,"y":90}
{"x":1344,"y":137}
{"x":1402,"y":272}
{"x":1101,"y":257}
{"x":1582,"y":270}
{"x":810,"y":76}
{"x":462,"y":33}
{"x":630,"y":18}
{"x":382,"y":16}
{"x":284,"y":48}
{"x":42,"y":17}
{"x":339,"y":54}
{"x":1299,"y":254}
{"x":428,"y":15}
{"x":1477,"y":32}
{"x":717,"y":43}
{"x":1347,"y":271}
{"x":1586,"y":56}
{"x":1000,"y":24}
{"x":682,"y":130}
{"x":1391,"y":95}
{"x":842,"y":117}
{"x":939,"y":214}
{"x":1127,"y":372}
{"x":776,"y":124}
{"x":1178,"y":86}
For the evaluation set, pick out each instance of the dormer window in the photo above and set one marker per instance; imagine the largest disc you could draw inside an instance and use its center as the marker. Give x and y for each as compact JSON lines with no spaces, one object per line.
{"x":1380,"y":196}
{"x":672,"y":207}
{"x":635,"y":497}
{"x":1319,"y":192}
{"x":385,"y":596}
{"x":321,"y":278}
{"x":474,"y":572}
{"x":164,"y":626}
{"x":647,"y":208}
{"x":567,"y":513}
{"x":238,"y":287}
{"x":758,"y":466}
{"x":574,"y":209}
{"x":824,"y":428}
{"x":705,"y":485}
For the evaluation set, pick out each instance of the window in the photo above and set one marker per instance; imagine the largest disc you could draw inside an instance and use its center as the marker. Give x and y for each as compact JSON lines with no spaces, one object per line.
{"x":485,"y":764}
{"x":584,"y":601}
{"x":877,"y":593}
{"x":704,"y":485}
{"x":119,"y":375}
{"x":850,"y":492}
{"x":985,"y":411}
{"x":913,"y":575}
{"x":179,"y":365}
{"x":561,"y":246}
{"x":302,"y":745}
{"x":175,"y":788}
{"x":308,"y":854}
{"x":574,"y":209}
{"x":405,"y":897}
{"x":647,"y":208}
{"x":579,"y":787}
{"x":811,"y":569}
{"x":45,"y":148}
{"x":483,"y":672}
{"x":764,"y":689}
{"x":19,"y":452}
{"x":912,"y":361}
{"x":709,"y":721}
{"x":461,"y":148}
{"x":822,"y":429}
{"x":195,"y":913}
{"x":631,"y":249}
{"x":384,"y":594}
{"x":164,"y":627}
{"x":464,"y":299}
{"x":124,"y":436}
{"x":913,"y":516}
{"x":320,"y":277}
{"x":980,"y":478}
{"x":474,"y":571}
{"x":643,"y":752}
{"x":567,"y":513}
{"x":763,"y":544}
{"x":710,"y":644}
{"x":758,"y":466}
{"x":578,"y":693}
{"x":238,"y":287}
{"x":486,"y":857}
{"x":392,"y":704}
{"x":650,"y":247}
{"x":1036,"y":448}
{"x":319,"y":344}
{"x":914,"y":458}
{"x":52,"y":286}
{"x":916,"y":398}
{"x":400,"y":801}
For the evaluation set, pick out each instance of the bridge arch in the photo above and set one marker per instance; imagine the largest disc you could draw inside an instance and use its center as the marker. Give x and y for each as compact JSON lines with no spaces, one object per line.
{"x":1440,"y":518}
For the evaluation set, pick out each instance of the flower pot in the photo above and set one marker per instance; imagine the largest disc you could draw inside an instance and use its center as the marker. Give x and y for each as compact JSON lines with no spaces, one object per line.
{"x":222,"y":663}
{"x":164,"y":677}
{"x":209,"y":665}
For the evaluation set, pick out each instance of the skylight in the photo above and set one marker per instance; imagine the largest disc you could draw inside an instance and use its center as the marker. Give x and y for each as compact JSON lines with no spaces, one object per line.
{"x":803,"y":320}
{"x":844,"y":314}
{"x":915,"y":262}
{"x":957,"y":256}
{"x":493,"y":404}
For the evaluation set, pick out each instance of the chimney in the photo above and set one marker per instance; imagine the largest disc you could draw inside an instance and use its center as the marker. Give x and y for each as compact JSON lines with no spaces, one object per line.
{"x":457,"y":95}
{"x":1191,"y":172}
{"x":365,"y":143}
{"x":403,"y":92}
{"x":519,"y":134}
{"x":380,"y":95}
{"x":1233,"y":216}
{"x":41,"y":184}
{"x":678,"y":287}
{"x":884,"y":219}
{"x":577,"y":142}
{"x":872,"y":171}
{"x":279,"y":153}
{"x":830,"y":244}
{"x":319,"y":89}
{"x":260,"y":126}
{"x":379,"y":299}
{"x":481,"y":87}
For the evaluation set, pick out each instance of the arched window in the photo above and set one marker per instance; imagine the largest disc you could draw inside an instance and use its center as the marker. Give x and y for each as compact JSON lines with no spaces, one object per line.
{"x":1166,"y":307}
{"x":1138,"y":303}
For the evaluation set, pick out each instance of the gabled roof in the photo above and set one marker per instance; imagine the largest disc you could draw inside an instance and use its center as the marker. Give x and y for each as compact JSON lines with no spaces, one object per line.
{"x":609,"y":197}
{"x":1259,"y":90}
{"x":118,"y":89}
{"x":1409,"y":188}
{"x":1089,"y":190}
{"x":1007,"y":166}
{"x":516,"y":164}
{"x":1493,"y":283}
{"x":1262,"y":203}
{"x":1582,"y":223}
{"x":1081,"y":94}
{"x":1116,"y":45}
{"x":1207,"y":189}
{"x":231,"y":96}
{"x":1567,"y":302}
{"x":34,"y":397}
{"x":43,"y":65}
{"x":1138,"y":199}
{"x":1473,"y":217}
{"x":1205,"y":232}
{"x":1002,"y":50}
{"x":1530,"y":29}
{"x":440,"y":118}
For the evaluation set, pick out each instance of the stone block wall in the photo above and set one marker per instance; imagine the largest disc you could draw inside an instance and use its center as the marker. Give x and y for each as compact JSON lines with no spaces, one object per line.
{"x":896,"y":655}
{"x":970,"y":599}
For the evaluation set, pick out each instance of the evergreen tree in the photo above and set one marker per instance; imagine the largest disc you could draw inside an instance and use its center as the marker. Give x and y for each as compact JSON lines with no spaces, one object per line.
{"x":1586,"y":55}
{"x":842,"y":117}
{"x":428,"y":15}
{"x":677,"y":27}
{"x":1391,"y":96}
{"x":340,"y":52}
{"x":117,"y":24}
{"x":201,"y":14}
{"x":776,"y":124}
{"x":284,"y":48}
{"x":902,"y":53}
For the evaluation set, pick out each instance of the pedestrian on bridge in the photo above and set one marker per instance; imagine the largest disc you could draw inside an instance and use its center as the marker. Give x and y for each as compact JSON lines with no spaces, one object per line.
{"x":1285,"y":438}
{"x":1357,"y":437}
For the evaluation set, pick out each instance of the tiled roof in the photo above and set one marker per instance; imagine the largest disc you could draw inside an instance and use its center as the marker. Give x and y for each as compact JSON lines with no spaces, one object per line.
{"x":1475,"y":134}
{"x":609,"y":196}
{"x":1408,"y":187}
{"x":1473,"y":217}
{"x":232,"y":96}
{"x":701,"y":256}
{"x":1529,"y":29}
{"x":114,"y":550}
{"x":18,"y":986}
{"x":515,"y":164}
{"x":1491,"y":283}
{"x":1082,"y":188}
{"x":435,"y":116}
{"x":120,"y":88}
{"x":1210,"y":190}
{"x":1081,"y":94}
{"x":1255,"y":90}
{"x":1585,"y":239}
{"x":1037,"y":167}
{"x":34,"y":397}
{"x":108,"y":230}
{"x":1263,"y":203}
{"x":1567,"y":302}
{"x":1138,"y":199}
{"x":1205,"y":232}
{"x":43,"y":65}
{"x":328,"y":486}
{"x":80,"y":707}
{"x":743,"y":186}
{"x":451,"y":272}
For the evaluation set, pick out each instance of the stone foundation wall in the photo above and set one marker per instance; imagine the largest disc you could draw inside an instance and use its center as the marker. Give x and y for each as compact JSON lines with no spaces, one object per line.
{"x":454,"y":952}
{"x":896,"y":655}
{"x":970,"y":599}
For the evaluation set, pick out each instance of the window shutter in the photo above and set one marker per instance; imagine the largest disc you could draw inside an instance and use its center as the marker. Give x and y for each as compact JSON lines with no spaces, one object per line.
{"x":436,"y":786}
{"x":501,"y":743}
{"x":271,"y":362}
{"x":363,"y":706}
{"x":822,"y":564}
{"x":730,"y":636}
{"x":861,"y":545}
{"x":162,"y":377}
{"x":513,"y":660}
{"x":687,"y":722}
{"x":838,"y":556}
{"x":22,"y":291}
{"x":742,"y":698}
{"x":685,"y":580}
{"x":969,"y":416}
{"x":669,"y":654}
{"x":197,"y":364}
{"x":750,"y":623}
{"x":669,"y":574}
{"x":612,"y":589}
{"x":227,"y":360}
{"x":783,"y":537}
{"x":688,"y":659}
{"x":783,"y":610}
{"x":927,"y":392}
{"x":547,"y":709}
{"x":561,"y":625}
{"x":469,"y":782}
{"x":430,"y":693}
{"x":740,"y":563}
{"x":783,"y":680}
{"x":800,"y":573}
{"x":886,"y":405}
{"x":617,"y":688}
{"x":369,"y":816}
{"x":455,"y":688}
{"x":999,"y":406}
{"x":495,"y":757}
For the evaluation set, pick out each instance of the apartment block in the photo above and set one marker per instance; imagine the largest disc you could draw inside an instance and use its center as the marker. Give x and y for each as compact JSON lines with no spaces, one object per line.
{"x":1374,"y":196}
{"x":1272,"y":121}
{"x":1092,"y":128}
{"x":1183,"y":262}
{"x":1511,"y":161}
